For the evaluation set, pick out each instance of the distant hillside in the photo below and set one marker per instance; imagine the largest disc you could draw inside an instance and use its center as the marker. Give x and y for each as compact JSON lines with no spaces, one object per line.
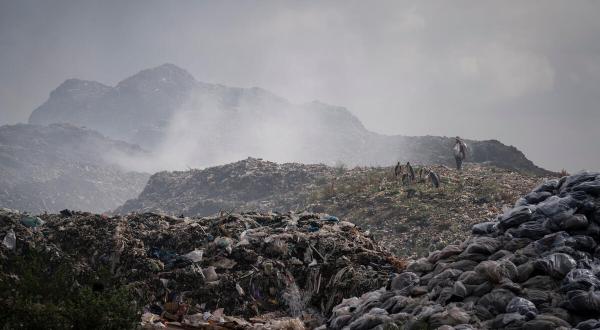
{"x":407,"y":219}
{"x":187,"y":123}
{"x":49,"y":168}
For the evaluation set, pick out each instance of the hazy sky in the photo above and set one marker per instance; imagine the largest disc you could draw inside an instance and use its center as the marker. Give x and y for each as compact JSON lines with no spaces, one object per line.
{"x":524,"y":72}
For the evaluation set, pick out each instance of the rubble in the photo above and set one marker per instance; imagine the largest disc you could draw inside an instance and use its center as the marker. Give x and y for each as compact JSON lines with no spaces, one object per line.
{"x":536,"y":267}
{"x":225,"y":271}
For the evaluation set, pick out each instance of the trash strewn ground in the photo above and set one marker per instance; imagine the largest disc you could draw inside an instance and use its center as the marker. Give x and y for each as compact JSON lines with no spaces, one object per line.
{"x":223,"y":272}
{"x":536,"y":267}
{"x":408,"y":219}
{"x":417,"y":218}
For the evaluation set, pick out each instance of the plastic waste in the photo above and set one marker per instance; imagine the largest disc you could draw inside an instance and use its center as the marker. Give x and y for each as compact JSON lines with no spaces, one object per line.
{"x":210,"y":274}
{"x":580,"y":300}
{"x":588,"y":325}
{"x":194,"y":256}
{"x":557,"y":265}
{"x":223,"y":242}
{"x":313,"y":228}
{"x":239,"y":289}
{"x":31,"y":222}
{"x":484,"y":228}
{"x":10,"y":240}
{"x":516,"y":216}
{"x":332,"y":218}
{"x":404,"y":281}
{"x":523,"y":307}
{"x":580,"y":279}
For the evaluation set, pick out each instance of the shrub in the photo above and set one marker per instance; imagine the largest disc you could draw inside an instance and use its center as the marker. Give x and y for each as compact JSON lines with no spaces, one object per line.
{"x":46,"y":295}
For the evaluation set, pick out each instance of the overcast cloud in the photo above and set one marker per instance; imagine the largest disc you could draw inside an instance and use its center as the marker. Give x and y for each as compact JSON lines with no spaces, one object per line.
{"x":525,"y":72}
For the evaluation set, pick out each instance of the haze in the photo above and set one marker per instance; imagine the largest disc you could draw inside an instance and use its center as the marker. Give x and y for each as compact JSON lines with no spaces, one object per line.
{"x":527,"y":74}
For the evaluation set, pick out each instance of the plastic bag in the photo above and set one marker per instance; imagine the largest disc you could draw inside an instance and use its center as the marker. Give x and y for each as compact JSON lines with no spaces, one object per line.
{"x":31,"y":222}
{"x":580,"y":279}
{"x":557,"y":265}
{"x":10,"y":240}
{"x":194,"y":256}
{"x":523,"y":307}
{"x":580,"y":300}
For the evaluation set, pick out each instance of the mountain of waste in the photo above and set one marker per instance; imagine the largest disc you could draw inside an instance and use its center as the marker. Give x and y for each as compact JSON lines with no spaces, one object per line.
{"x":408,"y":220}
{"x":248,"y":185}
{"x":536,"y":267}
{"x":187,"y":123}
{"x":234,"y":267}
{"x":50,"y":168}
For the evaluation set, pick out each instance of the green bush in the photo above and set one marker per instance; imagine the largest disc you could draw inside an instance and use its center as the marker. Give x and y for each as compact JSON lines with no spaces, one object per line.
{"x":47,"y":295}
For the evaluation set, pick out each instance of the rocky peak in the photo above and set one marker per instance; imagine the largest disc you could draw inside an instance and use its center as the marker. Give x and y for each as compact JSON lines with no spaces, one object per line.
{"x":166,"y":76}
{"x":79,"y":89}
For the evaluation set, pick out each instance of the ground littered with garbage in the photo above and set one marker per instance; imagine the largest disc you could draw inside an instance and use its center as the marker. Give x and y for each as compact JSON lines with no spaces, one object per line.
{"x":409,"y":219}
{"x":537,"y":266}
{"x":230,"y":271}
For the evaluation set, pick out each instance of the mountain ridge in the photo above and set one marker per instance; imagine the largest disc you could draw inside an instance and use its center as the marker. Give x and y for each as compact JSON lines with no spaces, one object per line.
{"x":164,"y":107}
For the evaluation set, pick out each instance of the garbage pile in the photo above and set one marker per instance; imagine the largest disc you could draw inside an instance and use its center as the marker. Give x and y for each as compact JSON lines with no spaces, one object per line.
{"x":415,"y":219}
{"x":409,"y":220}
{"x":536,"y":267}
{"x":251,"y":184}
{"x":231,"y":271}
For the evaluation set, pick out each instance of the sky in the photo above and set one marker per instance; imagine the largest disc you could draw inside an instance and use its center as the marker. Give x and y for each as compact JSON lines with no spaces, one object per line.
{"x":526,"y":73}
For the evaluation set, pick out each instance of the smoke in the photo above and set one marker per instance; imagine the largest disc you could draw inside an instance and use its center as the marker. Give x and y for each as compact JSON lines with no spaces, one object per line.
{"x":226,"y":125}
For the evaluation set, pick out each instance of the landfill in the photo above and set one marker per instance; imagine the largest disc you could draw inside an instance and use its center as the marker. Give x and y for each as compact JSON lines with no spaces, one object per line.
{"x":251,"y":184}
{"x":537,"y":266}
{"x":230,"y":271}
{"x":407,"y":219}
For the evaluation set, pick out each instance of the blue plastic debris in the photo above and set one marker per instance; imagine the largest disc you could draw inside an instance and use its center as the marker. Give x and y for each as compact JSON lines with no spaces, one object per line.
{"x":313,"y":228}
{"x":331,"y":218}
{"x":31,"y":222}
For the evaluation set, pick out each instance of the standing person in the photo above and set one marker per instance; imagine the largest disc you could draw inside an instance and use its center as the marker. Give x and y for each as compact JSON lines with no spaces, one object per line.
{"x":460,"y":152}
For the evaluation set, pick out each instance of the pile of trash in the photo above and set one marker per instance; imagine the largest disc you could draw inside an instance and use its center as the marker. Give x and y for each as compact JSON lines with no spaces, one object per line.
{"x":414,"y":219}
{"x":536,"y":267}
{"x":251,"y":184}
{"x":231,"y":270}
{"x":409,"y":220}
